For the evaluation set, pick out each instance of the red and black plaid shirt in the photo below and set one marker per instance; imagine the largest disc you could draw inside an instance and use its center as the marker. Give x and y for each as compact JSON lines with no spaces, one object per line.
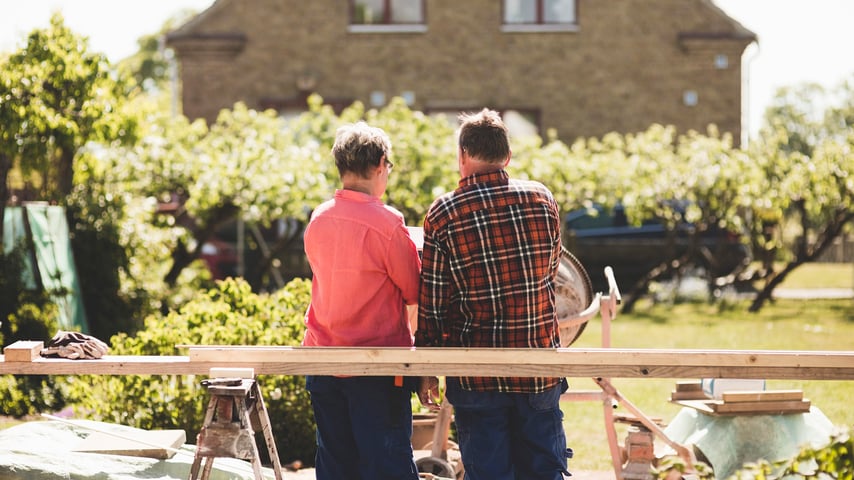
{"x":491,"y":253}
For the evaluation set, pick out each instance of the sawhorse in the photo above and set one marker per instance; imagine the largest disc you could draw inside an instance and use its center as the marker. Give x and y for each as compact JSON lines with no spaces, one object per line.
{"x":235,"y":408}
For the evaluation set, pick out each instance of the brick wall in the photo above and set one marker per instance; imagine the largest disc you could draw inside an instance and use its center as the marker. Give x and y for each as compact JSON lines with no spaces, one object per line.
{"x":627,"y":66}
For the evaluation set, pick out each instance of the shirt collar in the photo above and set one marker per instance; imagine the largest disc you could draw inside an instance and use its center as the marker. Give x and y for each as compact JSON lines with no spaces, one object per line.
{"x":497,"y":176}
{"x":355,"y":196}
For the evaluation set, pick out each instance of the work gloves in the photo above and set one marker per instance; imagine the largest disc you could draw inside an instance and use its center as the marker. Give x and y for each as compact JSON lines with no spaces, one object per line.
{"x":74,"y":346}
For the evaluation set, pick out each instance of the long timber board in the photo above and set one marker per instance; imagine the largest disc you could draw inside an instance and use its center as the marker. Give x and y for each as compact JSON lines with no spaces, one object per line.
{"x":566,"y":362}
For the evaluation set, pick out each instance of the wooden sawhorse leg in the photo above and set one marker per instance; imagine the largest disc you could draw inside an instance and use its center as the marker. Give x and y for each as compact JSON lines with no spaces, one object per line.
{"x":235,"y":406}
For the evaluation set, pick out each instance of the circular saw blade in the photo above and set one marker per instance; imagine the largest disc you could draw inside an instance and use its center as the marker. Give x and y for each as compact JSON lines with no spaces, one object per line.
{"x":573,"y":294}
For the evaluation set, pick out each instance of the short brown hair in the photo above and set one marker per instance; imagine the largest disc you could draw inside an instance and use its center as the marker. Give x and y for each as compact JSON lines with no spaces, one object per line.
{"x":359,"y":147}
{"x":484,"y":136}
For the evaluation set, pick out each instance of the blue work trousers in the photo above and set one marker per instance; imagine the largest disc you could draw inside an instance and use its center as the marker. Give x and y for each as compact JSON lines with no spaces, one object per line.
{"x":364,"y":425}
{"x":510,"y":436}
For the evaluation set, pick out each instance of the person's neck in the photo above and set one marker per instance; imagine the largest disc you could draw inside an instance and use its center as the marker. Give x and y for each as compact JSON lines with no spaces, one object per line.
{"x":483,"y":167}
{"x":358,"y":184}
{"x":474,"y":167}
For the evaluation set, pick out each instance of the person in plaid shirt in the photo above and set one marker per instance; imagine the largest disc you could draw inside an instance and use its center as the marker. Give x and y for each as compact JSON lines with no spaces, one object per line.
{"x":490,"y":257}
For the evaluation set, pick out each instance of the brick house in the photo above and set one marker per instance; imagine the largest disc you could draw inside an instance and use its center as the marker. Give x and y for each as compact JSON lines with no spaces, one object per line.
{"x":580,"y":67}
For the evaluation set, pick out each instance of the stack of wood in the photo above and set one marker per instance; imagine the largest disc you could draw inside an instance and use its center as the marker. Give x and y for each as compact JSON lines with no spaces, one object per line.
{"x":762,"y":402}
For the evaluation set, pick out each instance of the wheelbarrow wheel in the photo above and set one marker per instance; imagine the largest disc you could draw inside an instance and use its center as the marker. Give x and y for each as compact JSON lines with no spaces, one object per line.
{"x":451,"y":445}
{"x":435,"y":466}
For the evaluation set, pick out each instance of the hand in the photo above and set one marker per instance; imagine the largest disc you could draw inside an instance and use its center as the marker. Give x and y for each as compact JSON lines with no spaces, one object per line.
{"x":428,"y":393}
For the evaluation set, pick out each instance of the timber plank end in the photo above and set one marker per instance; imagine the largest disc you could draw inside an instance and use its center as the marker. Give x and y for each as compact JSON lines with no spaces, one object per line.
{"x":23,"y":351}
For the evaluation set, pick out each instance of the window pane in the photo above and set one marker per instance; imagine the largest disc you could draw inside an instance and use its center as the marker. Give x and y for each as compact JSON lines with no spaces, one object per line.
{"x":368,"y":11}
{"x":520,"y":11}
{"x":406,"y":11}
{"x":559,"y":11}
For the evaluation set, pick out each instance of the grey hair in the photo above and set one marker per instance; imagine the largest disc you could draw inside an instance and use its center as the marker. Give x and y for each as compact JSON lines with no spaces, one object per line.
{"x":359,"y":148}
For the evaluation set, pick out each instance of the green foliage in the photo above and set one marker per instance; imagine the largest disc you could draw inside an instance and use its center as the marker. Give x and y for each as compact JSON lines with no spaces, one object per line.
{"x":424,"y":153}
{"x":807,"y":167}
{"x":248,"y":165}
{"x":30,"y":394}
{"x":667,"y":465}
{"x":835,"y":460}
{"x":101,"y":260}
{"x":25,"y":315}
{"x":11,"y":288}
{"x":229,"y":314}
{"x":150,"y":65}
{"x":54,"y":97}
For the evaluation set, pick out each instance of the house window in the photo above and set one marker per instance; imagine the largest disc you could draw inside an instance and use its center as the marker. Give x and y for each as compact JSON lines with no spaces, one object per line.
{"x":539,"y":12}
{"x":387,"y":12}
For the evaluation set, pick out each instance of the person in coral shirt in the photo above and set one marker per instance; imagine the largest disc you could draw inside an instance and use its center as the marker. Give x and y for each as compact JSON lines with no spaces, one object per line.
{"x":365,"y":272}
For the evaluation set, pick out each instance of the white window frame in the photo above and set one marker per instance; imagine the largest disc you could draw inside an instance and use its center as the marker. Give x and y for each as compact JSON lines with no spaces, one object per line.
{"x":539,"y":24}
{"x":386,"y":26}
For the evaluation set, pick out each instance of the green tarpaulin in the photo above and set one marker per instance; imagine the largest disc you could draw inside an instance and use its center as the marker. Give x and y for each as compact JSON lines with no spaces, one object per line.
{"x":49,"y":263}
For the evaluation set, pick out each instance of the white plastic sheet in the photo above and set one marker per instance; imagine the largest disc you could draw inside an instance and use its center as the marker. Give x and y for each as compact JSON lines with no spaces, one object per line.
{"x":730,"y":441}
{"x":44,"y":450}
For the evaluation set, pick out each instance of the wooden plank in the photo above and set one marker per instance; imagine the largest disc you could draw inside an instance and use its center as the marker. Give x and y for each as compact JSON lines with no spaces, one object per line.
{"x":717,"y":407}
{"x":763,"y":396}
{"x":700,"y":405}
{"x":160,"y":444}
{"x":232,"y":372}
{"x":23,"y":351}
{"x":109,"y":365}
{"x":522,"y":357}
{"x":689,"y":386}
{"x":761,"y":408}
{"x":572,"y":362}
{"x":688,"y":395}
{"x":688,"y":390}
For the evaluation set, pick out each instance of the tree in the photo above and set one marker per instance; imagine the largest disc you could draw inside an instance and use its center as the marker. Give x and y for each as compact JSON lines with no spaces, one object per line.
{"x":55,"y":97}
{"x":256,"y":167}
{"x":809,"y":167}
{"x":691,"y":178}
{"x":151,"y":66}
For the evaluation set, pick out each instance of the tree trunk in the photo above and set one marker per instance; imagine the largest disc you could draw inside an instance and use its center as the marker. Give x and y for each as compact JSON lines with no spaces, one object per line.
{"x":766,"y":293}
{"x":65,"y":174}
{"x":641,"y":288}
{"x":804,"y":254}
{"x":5,"y":166}
{"x":182,"y":256}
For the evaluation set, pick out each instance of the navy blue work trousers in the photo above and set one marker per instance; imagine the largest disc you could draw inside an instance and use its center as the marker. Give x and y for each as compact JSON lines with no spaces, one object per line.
{"x":364,"y":425}
{"x":510,"y":436}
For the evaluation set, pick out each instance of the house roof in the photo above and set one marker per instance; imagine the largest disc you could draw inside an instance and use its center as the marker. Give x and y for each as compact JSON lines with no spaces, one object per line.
{"x":738,"y":32}
{"x":189,"y":29}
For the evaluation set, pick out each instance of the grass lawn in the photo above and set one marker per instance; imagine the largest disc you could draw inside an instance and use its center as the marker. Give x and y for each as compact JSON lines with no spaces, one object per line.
{"x":824,"y":275}
{"x":782,"y":325}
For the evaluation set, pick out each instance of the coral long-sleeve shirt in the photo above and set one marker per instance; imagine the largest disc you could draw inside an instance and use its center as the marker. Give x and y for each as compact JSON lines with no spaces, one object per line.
{"x":366,"y":269}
